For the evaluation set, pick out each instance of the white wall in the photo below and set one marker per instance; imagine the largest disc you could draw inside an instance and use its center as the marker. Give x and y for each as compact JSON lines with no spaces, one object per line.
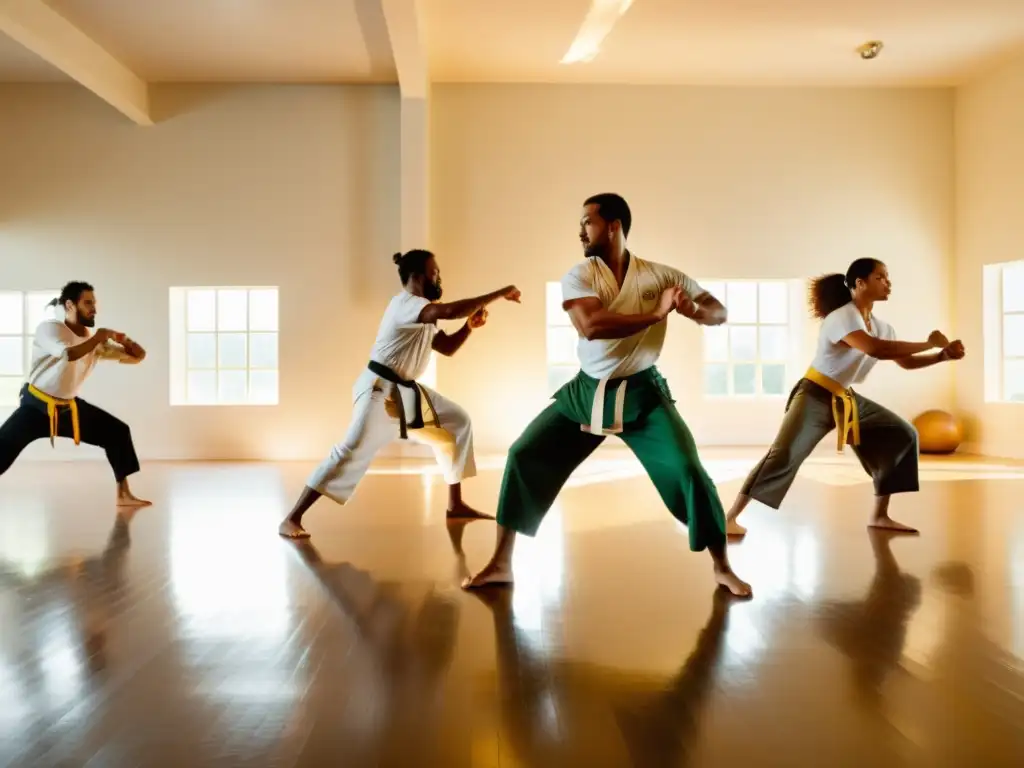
{"x":289,"y":186}
{"x":989,"y":207}
{"x":723,"y":183}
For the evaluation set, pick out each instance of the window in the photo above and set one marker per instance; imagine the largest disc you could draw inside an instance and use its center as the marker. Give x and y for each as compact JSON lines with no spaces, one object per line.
{"x":224,"y":346}
{"x":562,"y":339}
{"x":1003,"y":295}
{"x":429,"y":377}
{"x":749,"y":355}
{"x":20,"y":314}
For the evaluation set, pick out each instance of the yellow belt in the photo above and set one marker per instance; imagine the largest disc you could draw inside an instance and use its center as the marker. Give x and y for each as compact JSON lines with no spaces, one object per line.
{"x":847,"y":423}
{"x":52,"y":404}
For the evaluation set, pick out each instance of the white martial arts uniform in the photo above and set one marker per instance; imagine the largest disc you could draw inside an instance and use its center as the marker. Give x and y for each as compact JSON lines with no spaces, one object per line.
{"x":606,"y":359}
{"x":404,"y":345}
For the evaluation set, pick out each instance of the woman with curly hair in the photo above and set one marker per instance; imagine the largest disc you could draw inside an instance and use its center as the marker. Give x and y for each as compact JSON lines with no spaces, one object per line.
{"x":852,"y":339}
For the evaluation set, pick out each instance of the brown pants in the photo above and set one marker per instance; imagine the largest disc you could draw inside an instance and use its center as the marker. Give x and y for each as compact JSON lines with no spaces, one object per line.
{"x":887,"y":451}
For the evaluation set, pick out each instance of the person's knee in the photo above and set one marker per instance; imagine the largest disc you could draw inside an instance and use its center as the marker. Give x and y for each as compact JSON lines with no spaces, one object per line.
{"x":117,"y":432}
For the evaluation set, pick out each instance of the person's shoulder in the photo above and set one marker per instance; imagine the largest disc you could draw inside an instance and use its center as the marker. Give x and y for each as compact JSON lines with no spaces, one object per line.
{"x":581,"y":268}
{"x":580,"y":273}
{"x":843,"y":313}
{"x":53,"y":327}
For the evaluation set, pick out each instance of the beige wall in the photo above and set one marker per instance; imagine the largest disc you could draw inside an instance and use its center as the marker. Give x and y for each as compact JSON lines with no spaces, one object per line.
{"x":299,"y":187}
{"x":296,"y":187}
{"x":989,"y":206}
{"x":723,"y":183}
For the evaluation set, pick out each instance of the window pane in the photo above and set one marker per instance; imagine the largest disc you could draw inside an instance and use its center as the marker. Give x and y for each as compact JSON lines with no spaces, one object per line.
{"x":1013,"y":380}
{"x":37,"y":308}
{"x":773,"y":379}
{"x":202,"y":310}
{"x":231,"y":386}
{"x":12,"y":313}
{"x":773,"y":304}
{"x":263,"y":350}
{"x":12,"y":356}
{"x":743,"y":343}
{"x":1013,"y":287}
{"x":429,"y":377}
{"x":562,"y":346}
{"x":10,"y":386}
{"x":716,"y":379}
{"x":1013,"y":336}
{"x":741,"y":301}
{"x":232,"y":309}
{"x":774,"y":342}
{"x":263,"y":387}
{"x":263,"y":311}
{"x":559,"y":375}
{"x":555,"y":314}
{"x":202,"y":350}
{"x":231,"y":352}
{"x":744,"y":379}
{"x":716,"y":343}
{"x":202,"y":387}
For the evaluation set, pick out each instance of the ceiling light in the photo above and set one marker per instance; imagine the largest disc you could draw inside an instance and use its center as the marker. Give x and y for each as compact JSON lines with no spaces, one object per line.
{"x":601,"y":17}
{"x":870,"y":49}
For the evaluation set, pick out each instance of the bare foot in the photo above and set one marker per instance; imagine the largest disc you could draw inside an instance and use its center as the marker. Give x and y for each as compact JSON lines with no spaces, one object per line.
{"x":732,"y":582}
{"x":291,"y":530}
{"x":128,"y":500}
{"x":465,"y":512}
{"x":891,"y":525}
{"x":732,"y":528}
{"x":490,"y":576}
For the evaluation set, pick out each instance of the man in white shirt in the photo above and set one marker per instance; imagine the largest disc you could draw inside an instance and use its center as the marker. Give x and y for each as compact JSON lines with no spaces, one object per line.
{"x":64,"y":353}
{"x":619,"y":304}
{"x":390,"y":403}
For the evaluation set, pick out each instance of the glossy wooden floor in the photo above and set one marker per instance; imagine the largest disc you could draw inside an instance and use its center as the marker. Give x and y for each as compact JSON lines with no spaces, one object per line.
{"x":192,"y":635}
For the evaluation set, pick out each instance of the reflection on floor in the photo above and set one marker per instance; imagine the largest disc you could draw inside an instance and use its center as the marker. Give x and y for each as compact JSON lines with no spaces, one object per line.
{"x":191,"y":635}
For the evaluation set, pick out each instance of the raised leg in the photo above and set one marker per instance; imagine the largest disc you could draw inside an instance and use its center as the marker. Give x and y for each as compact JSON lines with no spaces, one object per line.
{"x":538,"y":465}
{"x":664,"y":445}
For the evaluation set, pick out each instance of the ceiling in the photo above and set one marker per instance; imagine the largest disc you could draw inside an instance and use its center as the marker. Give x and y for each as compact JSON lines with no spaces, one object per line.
{"x":735,"y":42}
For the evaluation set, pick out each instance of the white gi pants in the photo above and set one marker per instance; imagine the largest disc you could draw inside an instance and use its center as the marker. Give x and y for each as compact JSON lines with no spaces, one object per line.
{"x":373,"y":427}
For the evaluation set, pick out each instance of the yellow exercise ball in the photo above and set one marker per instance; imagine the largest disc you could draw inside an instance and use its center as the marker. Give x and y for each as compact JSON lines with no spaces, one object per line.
{"x":938,"y":432}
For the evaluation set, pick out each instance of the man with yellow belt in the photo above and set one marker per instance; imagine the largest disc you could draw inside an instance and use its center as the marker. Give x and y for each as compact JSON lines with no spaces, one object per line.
{"x":64,"y":352}
{"x":619,"y":304}
{"x":852,"y":339}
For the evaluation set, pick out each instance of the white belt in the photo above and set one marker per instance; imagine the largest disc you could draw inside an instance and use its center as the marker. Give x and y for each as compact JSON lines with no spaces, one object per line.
{"x":596,"y":425}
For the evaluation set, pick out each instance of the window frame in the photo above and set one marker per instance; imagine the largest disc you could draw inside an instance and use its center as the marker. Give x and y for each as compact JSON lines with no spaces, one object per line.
{"x":558,"y":369}
{"x":180,"y":367}
{"x":719,"y":289}
{"x":28,"y":332}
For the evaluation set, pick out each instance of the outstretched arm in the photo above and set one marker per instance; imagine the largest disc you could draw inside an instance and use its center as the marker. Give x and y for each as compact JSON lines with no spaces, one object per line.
{"x":954,"y":351}
{"x":884,"y":349}
{"x":456,"y":310}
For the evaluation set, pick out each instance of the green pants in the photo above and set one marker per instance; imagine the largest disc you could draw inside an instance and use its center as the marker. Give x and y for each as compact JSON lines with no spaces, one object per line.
{"x":553,"y":445}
